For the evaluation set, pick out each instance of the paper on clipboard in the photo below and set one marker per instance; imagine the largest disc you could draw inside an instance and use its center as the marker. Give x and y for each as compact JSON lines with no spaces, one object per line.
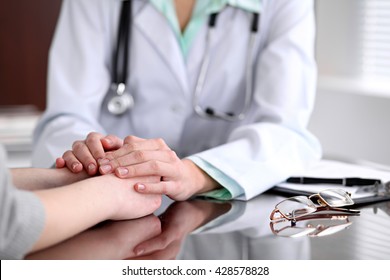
{"x":337,"y":169}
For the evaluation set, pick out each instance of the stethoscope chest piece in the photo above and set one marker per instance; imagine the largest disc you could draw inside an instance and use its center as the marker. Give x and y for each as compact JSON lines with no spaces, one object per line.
{"x":121,"y":101}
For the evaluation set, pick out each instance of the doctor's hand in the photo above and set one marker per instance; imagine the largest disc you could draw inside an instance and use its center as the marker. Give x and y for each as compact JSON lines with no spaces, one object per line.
{"x":85,"y":154}
{"x":180,"y":178}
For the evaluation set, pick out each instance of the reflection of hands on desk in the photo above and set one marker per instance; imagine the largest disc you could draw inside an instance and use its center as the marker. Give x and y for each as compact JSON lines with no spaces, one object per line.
{"x":110,"y":240}
{"x":251,"y":218}
{"x":243,"y":233}
{"x":180,"y":219}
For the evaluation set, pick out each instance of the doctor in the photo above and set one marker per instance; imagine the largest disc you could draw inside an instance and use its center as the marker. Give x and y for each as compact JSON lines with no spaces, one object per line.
{"x":218,"y":94}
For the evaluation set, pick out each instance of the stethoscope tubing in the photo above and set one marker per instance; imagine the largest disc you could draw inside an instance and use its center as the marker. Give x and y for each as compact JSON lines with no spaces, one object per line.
{"x":212,"y":113}
{"x":122,"y":100}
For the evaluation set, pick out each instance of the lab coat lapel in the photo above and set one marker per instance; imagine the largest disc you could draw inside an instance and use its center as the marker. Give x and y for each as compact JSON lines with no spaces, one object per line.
{"x":156,"y":28}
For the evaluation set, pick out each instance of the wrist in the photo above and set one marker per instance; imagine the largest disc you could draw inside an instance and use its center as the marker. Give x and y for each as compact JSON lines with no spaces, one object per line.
{"x":65,"y":177}
{"x":202,"y":182}
{"x":105,"y":196}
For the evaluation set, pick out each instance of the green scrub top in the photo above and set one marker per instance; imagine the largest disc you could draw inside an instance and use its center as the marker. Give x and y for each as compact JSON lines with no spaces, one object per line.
{"x":202,"y":9}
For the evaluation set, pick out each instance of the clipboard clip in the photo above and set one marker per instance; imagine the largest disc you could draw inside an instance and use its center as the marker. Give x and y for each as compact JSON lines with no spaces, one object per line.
{"x":348,"y":181}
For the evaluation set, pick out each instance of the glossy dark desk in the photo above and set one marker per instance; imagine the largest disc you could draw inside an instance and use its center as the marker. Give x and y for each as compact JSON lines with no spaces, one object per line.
{"x":202,"y":229}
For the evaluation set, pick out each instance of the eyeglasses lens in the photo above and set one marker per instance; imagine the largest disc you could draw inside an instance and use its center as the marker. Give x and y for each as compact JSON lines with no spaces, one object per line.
{"x":328,"y":230}
{"x":295,"y":207}
{"x":312,"y":228}
{"x":295,"y":231}
{"x":336,"y":198}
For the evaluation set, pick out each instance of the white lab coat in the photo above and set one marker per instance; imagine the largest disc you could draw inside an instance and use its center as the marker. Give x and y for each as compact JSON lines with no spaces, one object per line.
{"x":271,"y":144}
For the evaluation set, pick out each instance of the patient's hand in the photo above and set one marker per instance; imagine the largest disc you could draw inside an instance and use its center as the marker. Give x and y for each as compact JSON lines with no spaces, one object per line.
{"x":43,"y":178}
{"x":85,"y":154}
{"x":126,"y":202}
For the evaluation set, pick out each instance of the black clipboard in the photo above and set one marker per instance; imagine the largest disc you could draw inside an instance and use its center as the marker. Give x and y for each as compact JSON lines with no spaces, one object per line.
{"x":358,"y":202}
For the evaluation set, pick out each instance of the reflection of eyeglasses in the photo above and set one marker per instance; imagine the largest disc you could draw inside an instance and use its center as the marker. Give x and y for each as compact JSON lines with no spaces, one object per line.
{"x":319,"y":226}
{"x":299,"y":206}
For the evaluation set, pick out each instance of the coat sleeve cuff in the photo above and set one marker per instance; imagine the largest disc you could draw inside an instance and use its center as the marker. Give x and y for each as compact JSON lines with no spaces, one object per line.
{"x":230,"y":188}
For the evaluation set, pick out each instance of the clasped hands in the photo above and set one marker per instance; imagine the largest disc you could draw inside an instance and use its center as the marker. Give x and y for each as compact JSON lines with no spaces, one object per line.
{"x":135,"y":157}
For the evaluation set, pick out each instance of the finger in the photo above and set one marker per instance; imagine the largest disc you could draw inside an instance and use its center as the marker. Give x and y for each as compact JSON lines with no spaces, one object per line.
{"x":158,"y":243}
{"x":138,"y":157}
{"x":60,"y":163}
{"x":137,"y":144}
{"x":148,"y":168}
{"x":95,"y":146}
{"x":132,"y":138}
{"x":111,"y":142}
{"x":172,"y":189}
{"x":82,"y":153}
{"x":127,"y":148}
{"x":147,"y":179}
{"x":72,"y":163}
{"x":162,"y":187}
{"x":169,"y":253}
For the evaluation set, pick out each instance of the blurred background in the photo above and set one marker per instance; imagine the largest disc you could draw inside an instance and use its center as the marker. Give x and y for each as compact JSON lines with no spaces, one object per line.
{"x":352,"y":112}
{"x":26,"y":30}
{"x":352,"y":108}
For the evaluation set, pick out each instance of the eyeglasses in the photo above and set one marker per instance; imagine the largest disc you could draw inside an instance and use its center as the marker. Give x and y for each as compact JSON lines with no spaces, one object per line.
{"x":296,"y":207}
{"x":318,"y":226}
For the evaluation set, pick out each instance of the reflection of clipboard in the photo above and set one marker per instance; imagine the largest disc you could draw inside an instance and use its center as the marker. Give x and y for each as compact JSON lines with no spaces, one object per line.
{"x":319,"y":177}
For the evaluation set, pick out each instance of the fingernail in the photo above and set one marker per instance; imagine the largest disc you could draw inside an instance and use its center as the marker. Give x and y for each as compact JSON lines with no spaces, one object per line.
{"x":122,"y":171}
{"x":141,"y":187}
{"x":103,"y":161}
{"x":108,"y":141}
{"x":74,"y":165}
{"x":139,"y":251}
{"x":91,"y":167}
{"x":105,"y":168}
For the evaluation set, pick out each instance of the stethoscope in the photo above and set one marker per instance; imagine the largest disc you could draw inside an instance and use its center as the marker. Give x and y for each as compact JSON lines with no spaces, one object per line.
{"x":122,"y":100}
